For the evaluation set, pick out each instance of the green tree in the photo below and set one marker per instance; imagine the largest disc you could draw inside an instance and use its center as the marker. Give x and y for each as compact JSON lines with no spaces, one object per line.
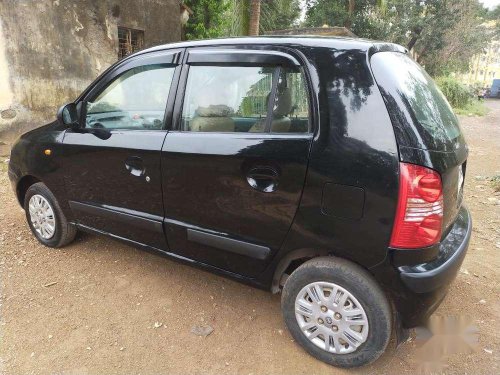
{"x":494,"y":15}
{"x":208,"y":19}
{"x":363,"y":17}
{"x":279,"y":14}
{"x":274,"y":15}
{"x":443,"y":34}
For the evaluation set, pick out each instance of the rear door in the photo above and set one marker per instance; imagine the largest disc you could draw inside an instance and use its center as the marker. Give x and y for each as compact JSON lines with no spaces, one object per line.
{"x":235,"y":161}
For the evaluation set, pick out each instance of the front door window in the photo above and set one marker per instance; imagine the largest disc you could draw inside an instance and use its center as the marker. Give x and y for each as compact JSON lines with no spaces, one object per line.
{"x":135,"y":100}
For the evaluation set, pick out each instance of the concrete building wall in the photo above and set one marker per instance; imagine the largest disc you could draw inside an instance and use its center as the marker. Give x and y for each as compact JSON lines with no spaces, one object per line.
{"x":50,"y":50}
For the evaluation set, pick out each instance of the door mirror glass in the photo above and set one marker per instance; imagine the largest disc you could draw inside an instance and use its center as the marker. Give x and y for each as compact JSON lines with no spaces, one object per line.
{"x":68,"y":114}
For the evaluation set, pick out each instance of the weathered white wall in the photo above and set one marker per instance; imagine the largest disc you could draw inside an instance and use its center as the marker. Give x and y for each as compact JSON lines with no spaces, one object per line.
{"x":6,"y":96}
{"x":50,"y":50}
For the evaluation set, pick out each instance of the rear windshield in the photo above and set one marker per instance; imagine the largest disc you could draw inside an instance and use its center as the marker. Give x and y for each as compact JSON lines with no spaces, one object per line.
{"x":410,"y":86}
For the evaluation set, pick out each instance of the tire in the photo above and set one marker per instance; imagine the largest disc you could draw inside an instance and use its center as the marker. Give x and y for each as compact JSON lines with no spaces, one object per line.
{"x":63,"y":232}
{"x":335,"y":276}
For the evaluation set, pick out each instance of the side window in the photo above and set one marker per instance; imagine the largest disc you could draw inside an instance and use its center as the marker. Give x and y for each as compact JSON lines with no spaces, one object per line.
{"x":135,"y":100}
{"x":236,"y":99}
{"x":226,"y":99}
{"x":291,"y":103}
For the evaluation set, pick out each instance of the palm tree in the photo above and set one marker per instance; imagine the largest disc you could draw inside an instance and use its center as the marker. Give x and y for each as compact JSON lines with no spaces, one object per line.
{"x":244,"y":17}
{"x":253,"y":27}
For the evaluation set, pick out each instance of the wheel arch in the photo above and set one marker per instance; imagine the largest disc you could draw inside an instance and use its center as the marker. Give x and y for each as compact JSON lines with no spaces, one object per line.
{"x":23,"y":185}
{"x":295,"y":258}
{"x":291,"y":261}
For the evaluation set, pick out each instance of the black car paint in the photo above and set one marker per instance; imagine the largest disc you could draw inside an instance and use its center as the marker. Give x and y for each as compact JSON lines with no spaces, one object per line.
{"x":351,"y":148}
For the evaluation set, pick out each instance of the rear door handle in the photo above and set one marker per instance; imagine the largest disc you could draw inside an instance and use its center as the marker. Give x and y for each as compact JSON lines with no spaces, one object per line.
{"x":263,"y":178}
{"x":135,"y":165}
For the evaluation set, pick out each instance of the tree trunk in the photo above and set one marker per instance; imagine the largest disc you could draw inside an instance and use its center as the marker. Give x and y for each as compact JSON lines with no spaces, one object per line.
{"x":414,"y":38}
{"x":206,"y":17}
{"x":350,"y":13}
{"x":253,"y":27}
{"x":351,"y":7}
{"x":416,"y":32}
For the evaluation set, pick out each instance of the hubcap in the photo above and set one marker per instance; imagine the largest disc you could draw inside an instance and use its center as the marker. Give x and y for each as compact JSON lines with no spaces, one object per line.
{"x":42,"y":216}
{"x":331,"y":317}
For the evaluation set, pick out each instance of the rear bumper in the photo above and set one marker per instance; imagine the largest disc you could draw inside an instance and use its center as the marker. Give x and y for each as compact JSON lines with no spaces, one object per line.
{"x":418,"y":290}
{"x":424,"y":278}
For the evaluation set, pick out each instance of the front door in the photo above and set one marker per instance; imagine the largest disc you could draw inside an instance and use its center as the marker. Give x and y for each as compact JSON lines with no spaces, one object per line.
{"x":115,"y":180}
{"x":234,"y":166}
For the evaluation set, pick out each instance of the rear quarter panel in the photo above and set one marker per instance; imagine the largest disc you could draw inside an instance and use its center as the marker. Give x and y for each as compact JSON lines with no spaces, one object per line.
{"x":354,"y":146}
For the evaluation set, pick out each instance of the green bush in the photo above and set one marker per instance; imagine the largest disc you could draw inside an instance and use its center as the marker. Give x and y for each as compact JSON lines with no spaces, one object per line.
{"x":458,"y":95}
{"x":474,"y":108}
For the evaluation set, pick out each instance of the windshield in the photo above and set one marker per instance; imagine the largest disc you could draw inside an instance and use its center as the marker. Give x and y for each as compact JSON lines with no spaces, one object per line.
{"x":410,"y":86}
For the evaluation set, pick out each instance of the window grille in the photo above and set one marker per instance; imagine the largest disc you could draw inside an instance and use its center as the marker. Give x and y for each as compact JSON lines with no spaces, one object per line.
{"x":129,"y":41}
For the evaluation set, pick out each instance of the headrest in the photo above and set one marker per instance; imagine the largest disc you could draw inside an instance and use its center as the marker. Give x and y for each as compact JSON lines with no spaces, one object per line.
{"x":214,"y":110}
{"x":284,"y":105}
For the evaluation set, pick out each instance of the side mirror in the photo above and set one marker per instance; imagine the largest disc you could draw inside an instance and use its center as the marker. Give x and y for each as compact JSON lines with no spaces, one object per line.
{"x":68,"y":115}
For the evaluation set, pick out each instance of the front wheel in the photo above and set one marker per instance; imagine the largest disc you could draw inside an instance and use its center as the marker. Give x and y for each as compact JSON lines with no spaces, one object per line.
{"x":337,"y":312}
{"x":45,"y":218}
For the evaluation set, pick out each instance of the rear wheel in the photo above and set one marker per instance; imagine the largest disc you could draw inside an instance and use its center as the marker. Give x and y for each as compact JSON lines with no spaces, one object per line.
{"x":337,"y":312}
{"x":45,"y":218}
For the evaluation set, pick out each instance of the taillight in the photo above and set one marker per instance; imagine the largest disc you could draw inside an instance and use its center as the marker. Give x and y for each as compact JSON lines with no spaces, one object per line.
{"x":419,"y":216}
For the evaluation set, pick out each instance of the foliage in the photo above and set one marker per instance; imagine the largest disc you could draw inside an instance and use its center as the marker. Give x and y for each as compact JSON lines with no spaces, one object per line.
{"x":462,"y":98}
{"x":363,"y":17}
{"x":444,"y":34}
{"x":274,"y":15}
{"x":279,"y":14}
{"x":238,"y":15}
{"x":474,"y":108}
{"x":458,"y":95}
{"x":208,"y":19}
{"x":494,"y":15}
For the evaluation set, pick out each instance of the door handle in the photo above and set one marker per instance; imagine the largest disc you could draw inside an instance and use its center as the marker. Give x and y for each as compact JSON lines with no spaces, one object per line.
{"x":135,"y":165}
{"x":263,"y":178}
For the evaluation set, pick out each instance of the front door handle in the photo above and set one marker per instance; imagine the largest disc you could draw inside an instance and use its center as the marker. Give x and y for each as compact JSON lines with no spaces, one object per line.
{"x":135,"y":165}
{"x":263,"y":178}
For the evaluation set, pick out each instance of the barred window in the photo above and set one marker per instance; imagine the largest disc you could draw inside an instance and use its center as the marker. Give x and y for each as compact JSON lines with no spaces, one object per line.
{"x":129,"y":41}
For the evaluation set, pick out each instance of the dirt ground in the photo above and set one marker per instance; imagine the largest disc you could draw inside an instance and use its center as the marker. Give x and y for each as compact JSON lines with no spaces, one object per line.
{"x":102,"y":307}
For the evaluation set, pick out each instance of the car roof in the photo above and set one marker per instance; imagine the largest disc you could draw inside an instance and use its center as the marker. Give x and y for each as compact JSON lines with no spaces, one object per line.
{"x":345,"y":43}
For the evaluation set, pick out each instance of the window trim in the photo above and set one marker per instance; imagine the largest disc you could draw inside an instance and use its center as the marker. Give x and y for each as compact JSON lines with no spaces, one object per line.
{"x":216,"y":56}
{"x":199,"y":51}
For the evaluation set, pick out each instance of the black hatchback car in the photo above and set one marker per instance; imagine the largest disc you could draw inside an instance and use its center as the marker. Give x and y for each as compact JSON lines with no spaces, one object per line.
{"x":330,"y":170}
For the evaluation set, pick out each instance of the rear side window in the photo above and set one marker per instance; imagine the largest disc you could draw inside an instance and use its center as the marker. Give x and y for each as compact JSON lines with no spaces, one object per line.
{"x":398,"y":75}
{"x":238,"y":99}
{"x":226,"y":99}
